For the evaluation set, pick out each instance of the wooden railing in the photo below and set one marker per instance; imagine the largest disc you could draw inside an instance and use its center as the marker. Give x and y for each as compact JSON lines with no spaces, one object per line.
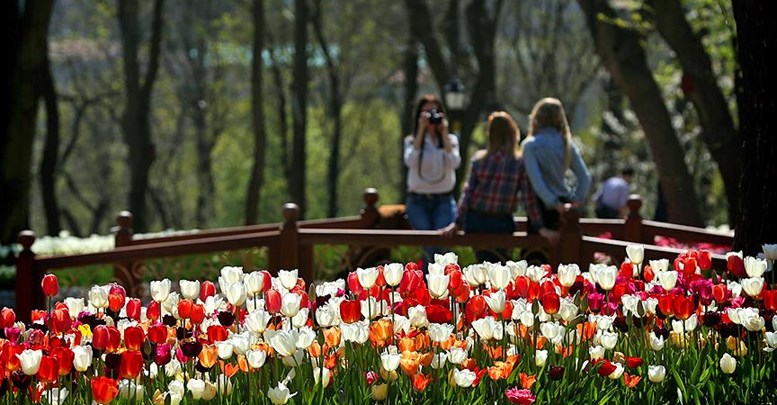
{"x":376,"y":230}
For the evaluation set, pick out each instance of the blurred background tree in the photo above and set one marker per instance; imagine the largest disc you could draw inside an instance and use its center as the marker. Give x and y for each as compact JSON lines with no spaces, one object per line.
{"x":204,"y":113}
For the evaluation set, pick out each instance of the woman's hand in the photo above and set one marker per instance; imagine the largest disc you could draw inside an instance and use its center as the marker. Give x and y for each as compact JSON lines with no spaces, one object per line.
{"x":449,"y":230}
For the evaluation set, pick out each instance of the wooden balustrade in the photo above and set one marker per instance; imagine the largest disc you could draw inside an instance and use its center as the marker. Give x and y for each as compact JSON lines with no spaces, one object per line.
{"x":291,"y":243}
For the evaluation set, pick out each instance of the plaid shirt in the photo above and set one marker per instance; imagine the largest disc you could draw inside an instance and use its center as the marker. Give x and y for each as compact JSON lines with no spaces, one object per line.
{"x":493,"y":185}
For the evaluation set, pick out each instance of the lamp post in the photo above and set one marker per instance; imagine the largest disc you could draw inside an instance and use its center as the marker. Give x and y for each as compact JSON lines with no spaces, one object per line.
{"x":454,"y":101}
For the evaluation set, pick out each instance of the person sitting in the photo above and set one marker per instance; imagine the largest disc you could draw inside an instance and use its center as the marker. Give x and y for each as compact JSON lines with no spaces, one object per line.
{"x":610,"y":199}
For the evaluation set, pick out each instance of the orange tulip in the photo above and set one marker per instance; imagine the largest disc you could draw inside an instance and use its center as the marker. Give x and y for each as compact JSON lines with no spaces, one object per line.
{"x":683,"y":306}
{"x":104,"y":389}
{"x":380,"y":333}
{"x":527,"y":380}
{"x":420,"y":381}
{"x":631,"y":381}
{"x":64,"y":357}
{"x":410,"y":362}
{"x":332,"y":336}
{"x":185,"y":308}
{"x":208,"y":356}
{"x":500,"y":370}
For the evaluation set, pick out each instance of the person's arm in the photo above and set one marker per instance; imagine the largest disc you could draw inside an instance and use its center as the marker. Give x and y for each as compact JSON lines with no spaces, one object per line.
{"x":583,"y":176}
{"x":453,"y":160}
{"x":532,"y":164}
{"x":411,"y":152}
{"x":529,"y":201}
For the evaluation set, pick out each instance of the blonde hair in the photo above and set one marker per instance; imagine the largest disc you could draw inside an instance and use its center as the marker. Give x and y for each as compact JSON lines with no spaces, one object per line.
{"x":549,"y":113}
{"x":503,"y":135}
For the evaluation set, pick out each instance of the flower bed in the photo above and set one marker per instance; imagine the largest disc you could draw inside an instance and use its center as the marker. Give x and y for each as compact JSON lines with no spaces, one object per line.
{"x":657,"y":332}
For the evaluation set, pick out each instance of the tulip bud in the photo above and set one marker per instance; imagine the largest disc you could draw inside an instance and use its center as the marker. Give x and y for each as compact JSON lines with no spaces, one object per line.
{"x":728,"y":364}
{"x":50,"y":285}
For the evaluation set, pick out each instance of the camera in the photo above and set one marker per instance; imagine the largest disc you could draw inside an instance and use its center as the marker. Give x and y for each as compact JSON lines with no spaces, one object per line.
{"x":435,"y":117}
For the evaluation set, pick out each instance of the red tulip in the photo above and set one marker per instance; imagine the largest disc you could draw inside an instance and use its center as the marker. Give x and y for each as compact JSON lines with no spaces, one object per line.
{"x":633,"y":362}
{"x":648,"y":274}
{"x":705,"y":259}
{"x":104,"y":389}
{"x":683,"y":306}
{"x":720,"y":293}
{"x":64,"y":357}
{"x":217,"y":333}
{"x":770,"y":299}
{"x":606,"y":368}
{"x":185,"y":308}
{"x":116,"y":297}
{"x":60,"y":320}
{"x":439,"y":314}
{"x":134,"y":336}
{"x":475,"y":309}
{"x":353,"y":283}
{"x":198,"y":314}
{"x":207,"y":289}
{"x":48,"y":370}
{"x":666,"y":304}
{"x":131,"y":364}
{"x":551,"y":302}
{"x":7,"y":317}
{"x":267,"y":283}
{"x":272,"y":301}
{"x":736,"y":265}
{"x":50,"y":285}
{"x":157,"y":334}
{"x":153,"y":311}
{"x":133,"y":308}
{"x":350,"y":311}
{"x":100,"y":337}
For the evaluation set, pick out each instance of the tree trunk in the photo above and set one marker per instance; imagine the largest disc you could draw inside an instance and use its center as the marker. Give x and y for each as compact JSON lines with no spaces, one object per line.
{"x":335,"y":107}
{"x":48,"y":164}
{"x":757,"y":107}
{"x":22,"y":85}
{"x":622,"y":53}
{"x":410,"y":69}
{"x":136,"y":123}
{"x":299,"y":107}
{"x":256,"y":181}
{"x":718,"y":131}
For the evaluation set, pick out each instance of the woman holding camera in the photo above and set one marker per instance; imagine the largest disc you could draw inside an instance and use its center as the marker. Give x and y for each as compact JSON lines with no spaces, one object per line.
{"x":432,"y":157}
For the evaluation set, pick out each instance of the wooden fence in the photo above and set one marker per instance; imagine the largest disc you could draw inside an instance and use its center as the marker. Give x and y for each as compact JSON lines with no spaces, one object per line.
{"x":371,"y":235}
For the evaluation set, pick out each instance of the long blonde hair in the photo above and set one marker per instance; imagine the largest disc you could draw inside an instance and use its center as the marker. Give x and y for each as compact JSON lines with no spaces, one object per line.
{"x":549,"y":113}
{"x":503,"y":135}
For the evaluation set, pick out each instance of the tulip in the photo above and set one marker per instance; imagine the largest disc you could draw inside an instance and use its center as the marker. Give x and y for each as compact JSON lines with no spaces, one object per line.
{"x":550,"y":302}
{"x":755,"y":267}
{"x":288,"y":278}
{"x":499,"y":276}
{"x":389,"y":359}
{"x":104,"y":389}
{"x":438,"y":285}
{"x":636,"y":253}
{"x":668,"y":279}
{"x":254,"y":281}
{"x":48,"y":369}
{"x":256,"y":358}
{"x":367,"y":277}
{"x":257,"y":321}
{"x":98,"y":297}
{"x":417,"y":316}
{"x":131,"y":364}
{"x":55,"y":395}
{"x":440,"y":332}
{"x":659,"y":265}
{"x":567,"y":274}
{"x":656,"y":374}
{"x":160,"y":290}
{"x":280,"y":394}
{"x":196,"y":387}
{"x":464,"y":378}
{"x":392,"y":273}
{"x":350,"y":311}
{"x":728,"y":364}
{"x":290,"y":304}
{"x":189,"y":289}
{"x":540,"y":357}
{"x":50,"y":285}
{"x":752,"y":286}
{"x":82,"y":358}
{"x":207,"y":289}
{"x":236,"y":294}
{"x":322,"y":375}
{"x":133,"y":309}
{"x":379,"y":392}
{"x":134,"y":336}
{"x":735,"y":264}
{"x":520,"y":396}
{"x":116,"y":297}
{"x":457,"y":355}
{"x":272,"y":301}
{"x":100,"y":337}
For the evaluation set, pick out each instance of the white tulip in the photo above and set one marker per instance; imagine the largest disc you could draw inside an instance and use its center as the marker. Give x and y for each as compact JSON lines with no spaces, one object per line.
{"x":57,"y":396}
{"x":160,"y":290}
{"x":256,"y":358}
{"x":596,"y":352}
{"x":322,"y":375}
{"x":288,"y":278}
{"x":30,"y":361}
{"x":290,"y":304}
{"x":496,"y":301}
{"x":770,"y":251}
{"x":659,"y":265}
{"x":236,"y":294}
{"x":668,"y":279}
{"x":280,"y":395}
{"x":464,"y":378}
{"x":567,"y":274}
{"x":517,"y":268}
{"x":74,"y":306}
{"x":437,"y":285}
{"x":98,"y":296}
{"x":389,"y":359}
{"x":417,"y":316}
{"x":82,"y":357}
{"x":755,"y":267}
{"x":189,"y":289}
{"x":439,"y":360}
{"x":656,"y":374}
{"x":285,"y":342}
{"x":254,"y":281}
{"x":257,"y":321}
{"x":488,"y":328}
{"x":728,"y":364}
{"x":540,"y":357}
{"x":440,"y":332}
{"x":196,"y":387}
{"x":499,"y":276}
{"x":618,"y":372}
{"x":367,"y":277}
{"x":457,"y":355}
{"x":636,"y":253}
{"x":752,"y":286}
{"x":445,"y":259}
{"x":393,"y":273}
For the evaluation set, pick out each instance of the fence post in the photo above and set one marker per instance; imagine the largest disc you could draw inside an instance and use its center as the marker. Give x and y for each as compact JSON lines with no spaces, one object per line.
{"x":632,"y":228}
{"x":285,"y":255}
{"x":369,"y":212}
{"x":569,"y":249}
{"x":29,"y":294}
{"x":128,"y":274}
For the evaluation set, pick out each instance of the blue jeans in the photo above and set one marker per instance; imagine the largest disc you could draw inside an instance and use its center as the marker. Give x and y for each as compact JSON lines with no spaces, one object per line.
{"x":478,"y":222}
{"x":426,"y":212}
